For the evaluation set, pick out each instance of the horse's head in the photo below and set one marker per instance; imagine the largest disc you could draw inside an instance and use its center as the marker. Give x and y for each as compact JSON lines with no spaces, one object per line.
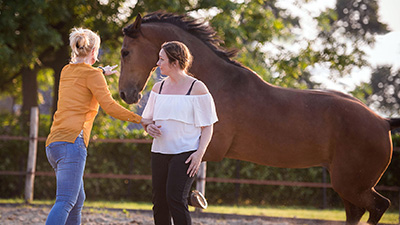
{"x":138,"y":57}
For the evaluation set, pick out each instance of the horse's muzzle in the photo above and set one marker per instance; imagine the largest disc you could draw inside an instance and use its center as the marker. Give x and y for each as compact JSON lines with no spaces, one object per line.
{"x":130,"y":97}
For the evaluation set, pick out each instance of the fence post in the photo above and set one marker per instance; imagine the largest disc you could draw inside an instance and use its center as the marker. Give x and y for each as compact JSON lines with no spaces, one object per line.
{"x":237,"y":185}
{"x":201,"y":181}
{"x":31,"y":165}
{"x":324,"y":189}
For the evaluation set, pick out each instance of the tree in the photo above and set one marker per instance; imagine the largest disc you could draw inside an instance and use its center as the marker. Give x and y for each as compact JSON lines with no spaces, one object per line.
{"x":34,"y":36}
{"x":382,"y":93}
{"x":343,"y":32}
{"x":64,"y":15}
{"x":21,"y":42}
{"x":248,"y":26}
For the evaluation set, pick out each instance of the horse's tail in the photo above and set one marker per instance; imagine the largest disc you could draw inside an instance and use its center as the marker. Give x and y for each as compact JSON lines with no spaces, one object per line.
{"x":394,"y":123}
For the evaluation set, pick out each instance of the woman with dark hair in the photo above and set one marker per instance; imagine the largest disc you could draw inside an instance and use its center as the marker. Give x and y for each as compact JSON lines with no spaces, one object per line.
{"x":183,"y":113}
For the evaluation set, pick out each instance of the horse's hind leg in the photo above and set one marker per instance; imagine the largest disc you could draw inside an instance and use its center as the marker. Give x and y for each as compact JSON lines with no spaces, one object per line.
{"x":381,"y":204}
{"x":353,"y":212}
{"x":355,"y":182}
{"x":357,"y":202}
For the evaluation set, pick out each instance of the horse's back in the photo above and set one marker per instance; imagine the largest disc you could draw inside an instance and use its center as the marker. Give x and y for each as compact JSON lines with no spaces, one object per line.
{"x":303,"y":128}
{"x":361,"y":138}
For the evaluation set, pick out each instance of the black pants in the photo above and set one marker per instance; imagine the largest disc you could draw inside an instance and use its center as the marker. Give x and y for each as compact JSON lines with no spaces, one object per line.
{"x":171,"y":186}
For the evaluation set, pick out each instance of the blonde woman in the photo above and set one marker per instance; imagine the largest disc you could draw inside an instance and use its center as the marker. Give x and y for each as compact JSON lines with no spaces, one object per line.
{"x":82,"y":89}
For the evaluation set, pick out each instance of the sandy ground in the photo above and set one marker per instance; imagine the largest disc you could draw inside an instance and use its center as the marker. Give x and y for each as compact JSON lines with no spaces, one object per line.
{"x":11,"y":214}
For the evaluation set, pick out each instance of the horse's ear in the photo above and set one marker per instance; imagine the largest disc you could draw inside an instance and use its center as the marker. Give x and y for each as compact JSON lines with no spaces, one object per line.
{"x":132,"y":30}
{"x":137,"y":23}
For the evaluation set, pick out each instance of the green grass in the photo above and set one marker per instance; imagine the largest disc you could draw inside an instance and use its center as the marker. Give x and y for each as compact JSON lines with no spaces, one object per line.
{"x":390,"y":217}
{"x":297,"y":212}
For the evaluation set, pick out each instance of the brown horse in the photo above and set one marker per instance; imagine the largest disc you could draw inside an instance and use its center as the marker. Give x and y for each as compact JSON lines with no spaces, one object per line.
{"x":266,"y":124}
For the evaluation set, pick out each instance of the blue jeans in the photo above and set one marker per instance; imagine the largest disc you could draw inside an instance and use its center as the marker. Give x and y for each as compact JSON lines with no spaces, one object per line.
{"x":68,"y":161}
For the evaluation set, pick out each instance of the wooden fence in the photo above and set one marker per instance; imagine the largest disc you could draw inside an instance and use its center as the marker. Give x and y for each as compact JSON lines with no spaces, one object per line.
{"x":200,"y":181}
{"x":148,"y":177}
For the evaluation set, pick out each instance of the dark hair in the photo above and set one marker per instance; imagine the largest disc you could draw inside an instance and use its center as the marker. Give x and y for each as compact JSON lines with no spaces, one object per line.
{"x":177,"y":51}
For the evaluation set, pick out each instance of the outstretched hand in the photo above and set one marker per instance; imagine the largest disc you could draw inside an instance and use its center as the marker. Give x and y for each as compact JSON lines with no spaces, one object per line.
{"x":108,"y":70}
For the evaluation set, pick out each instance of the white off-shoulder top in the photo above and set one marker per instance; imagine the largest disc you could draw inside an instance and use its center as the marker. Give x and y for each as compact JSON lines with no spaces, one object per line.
{"x":181,"y":118}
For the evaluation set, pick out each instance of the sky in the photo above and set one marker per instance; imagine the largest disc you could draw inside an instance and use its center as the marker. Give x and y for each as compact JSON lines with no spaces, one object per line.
{"x":387,"y":49}
{"x":389,"y":13}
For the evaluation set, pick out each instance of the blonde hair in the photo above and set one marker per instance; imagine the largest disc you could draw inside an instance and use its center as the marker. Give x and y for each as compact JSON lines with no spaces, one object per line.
{"x":82,"y":42}
{"x":177,"y":51}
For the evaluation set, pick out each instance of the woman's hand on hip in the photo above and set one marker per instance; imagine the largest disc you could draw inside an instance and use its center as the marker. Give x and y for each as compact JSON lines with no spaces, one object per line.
{"x":153,"y":130}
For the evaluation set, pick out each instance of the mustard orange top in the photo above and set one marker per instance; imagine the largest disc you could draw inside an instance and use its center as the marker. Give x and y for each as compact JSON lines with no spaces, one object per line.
{"x":82,"y":88}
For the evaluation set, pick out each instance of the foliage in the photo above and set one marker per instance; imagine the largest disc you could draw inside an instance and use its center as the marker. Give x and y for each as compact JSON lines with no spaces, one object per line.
{"x":359,"y":17}
{"x":34,"y":37}
{"x":248,"y":26}
{"x":355,"y":21}
{"x":263,"y":30}
{"x":22,"y":31}
{"x":382,"y":93}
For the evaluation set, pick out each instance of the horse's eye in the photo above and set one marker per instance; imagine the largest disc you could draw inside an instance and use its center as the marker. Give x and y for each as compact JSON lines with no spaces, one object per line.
{"x":124,"y":53}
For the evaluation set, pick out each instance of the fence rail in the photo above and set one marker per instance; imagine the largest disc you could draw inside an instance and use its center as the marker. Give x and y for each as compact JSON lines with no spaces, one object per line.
{"x":200,"y":181}
{"x":148,"y":177}
{"x":115,"y":140}
{"x":207,"y":179}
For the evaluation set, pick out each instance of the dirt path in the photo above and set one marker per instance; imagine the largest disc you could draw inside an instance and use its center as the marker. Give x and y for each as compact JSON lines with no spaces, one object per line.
{"x":11,"y":214}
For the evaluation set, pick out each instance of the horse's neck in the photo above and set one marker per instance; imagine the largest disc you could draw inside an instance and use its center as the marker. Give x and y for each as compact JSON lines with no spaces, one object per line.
{"x":217,"y":72}
{"x":207,"y":65}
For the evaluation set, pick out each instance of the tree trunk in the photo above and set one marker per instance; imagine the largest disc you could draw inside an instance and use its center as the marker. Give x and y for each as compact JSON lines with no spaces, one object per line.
{"x":29,"y":94}
{"x":29,"y":88}
{"x":60,"y":60}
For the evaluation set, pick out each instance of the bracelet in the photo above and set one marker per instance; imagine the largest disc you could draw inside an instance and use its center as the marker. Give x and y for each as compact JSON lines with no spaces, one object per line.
{"x":104,"y":72}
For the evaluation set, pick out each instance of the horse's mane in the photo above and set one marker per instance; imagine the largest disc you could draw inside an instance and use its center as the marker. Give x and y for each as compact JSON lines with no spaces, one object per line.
{"x":199,"y":29}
